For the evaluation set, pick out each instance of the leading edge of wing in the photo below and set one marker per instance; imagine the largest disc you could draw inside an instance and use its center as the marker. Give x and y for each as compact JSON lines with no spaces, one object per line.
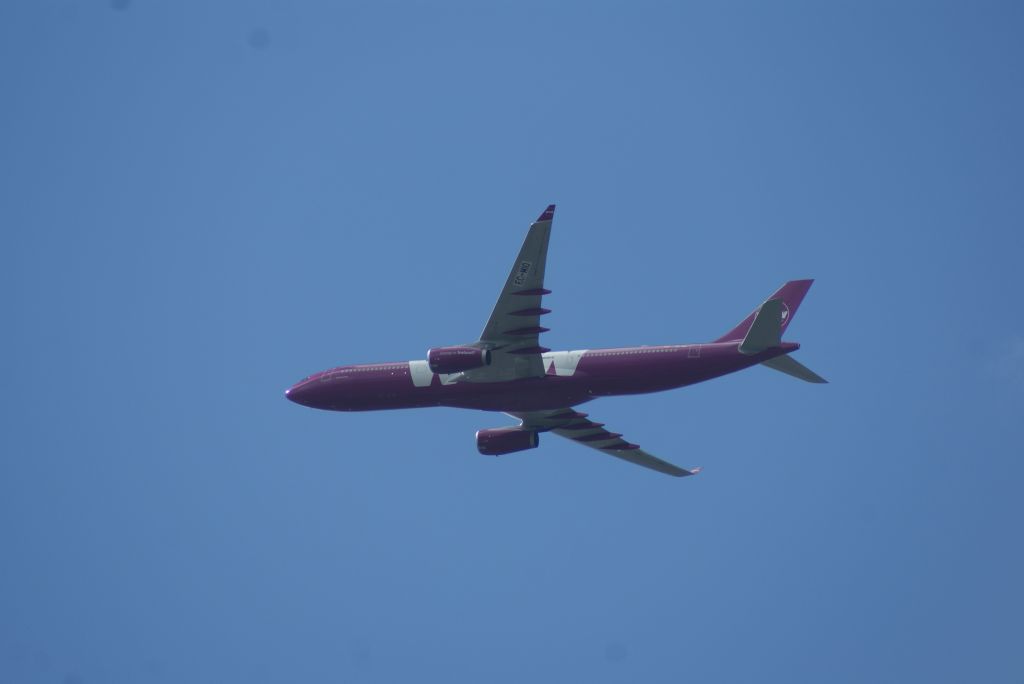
{"x":641,"y":458}
{"x":576,"y":427}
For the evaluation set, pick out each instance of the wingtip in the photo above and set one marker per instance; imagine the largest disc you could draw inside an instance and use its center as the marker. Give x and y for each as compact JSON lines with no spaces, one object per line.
{"x":677,"y":471}
{"x":547,"y":215}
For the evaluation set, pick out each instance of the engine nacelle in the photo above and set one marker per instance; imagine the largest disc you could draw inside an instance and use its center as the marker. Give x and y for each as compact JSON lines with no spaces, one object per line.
{"x":498,"y":441}
{"x":457,"y":359}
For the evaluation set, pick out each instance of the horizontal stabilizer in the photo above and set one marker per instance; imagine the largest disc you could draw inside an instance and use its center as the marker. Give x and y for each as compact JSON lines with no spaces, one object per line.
{"x":766,"y":330}
{"x":790,"y":366}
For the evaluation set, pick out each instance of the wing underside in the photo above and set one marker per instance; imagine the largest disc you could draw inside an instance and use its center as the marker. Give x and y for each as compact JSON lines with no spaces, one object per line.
{"x":577,"y":427}
{"x":512,"y":332}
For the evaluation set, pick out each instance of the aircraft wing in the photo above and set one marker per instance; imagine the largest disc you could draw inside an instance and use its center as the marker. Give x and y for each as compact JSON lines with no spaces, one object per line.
{"x":513,"y":331}
{"x":576,"y":426}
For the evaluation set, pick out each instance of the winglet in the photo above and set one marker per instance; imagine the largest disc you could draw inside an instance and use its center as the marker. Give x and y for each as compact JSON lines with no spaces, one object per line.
{"x":548,"y":214}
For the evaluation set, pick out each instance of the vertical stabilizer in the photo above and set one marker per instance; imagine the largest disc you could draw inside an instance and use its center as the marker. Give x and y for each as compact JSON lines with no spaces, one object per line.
{"x":790,"y":295}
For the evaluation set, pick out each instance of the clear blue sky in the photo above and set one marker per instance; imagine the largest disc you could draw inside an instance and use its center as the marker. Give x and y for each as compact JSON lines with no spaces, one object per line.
{"x":202,"y":202}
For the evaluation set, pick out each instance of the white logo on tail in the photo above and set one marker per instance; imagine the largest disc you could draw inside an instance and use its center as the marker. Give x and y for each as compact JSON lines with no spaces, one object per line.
{"x":785,"y":314}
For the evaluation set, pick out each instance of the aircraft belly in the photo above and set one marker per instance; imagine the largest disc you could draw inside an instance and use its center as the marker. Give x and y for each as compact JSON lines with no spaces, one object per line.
{"x":635,"y":372}
{"x":533,"y":394}
{"x":640,"y":373}
{"x":611,"y":374}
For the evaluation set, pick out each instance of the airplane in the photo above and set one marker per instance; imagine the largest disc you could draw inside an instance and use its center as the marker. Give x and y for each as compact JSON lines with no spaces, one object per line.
{"x":508,"y":370}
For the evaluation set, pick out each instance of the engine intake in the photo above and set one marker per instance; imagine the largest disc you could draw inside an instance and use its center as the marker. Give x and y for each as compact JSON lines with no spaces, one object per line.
{"x":498,"y":441}
{"x":457,"y":359}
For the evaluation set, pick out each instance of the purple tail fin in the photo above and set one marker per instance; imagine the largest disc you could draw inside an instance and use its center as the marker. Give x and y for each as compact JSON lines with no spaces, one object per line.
{"x":791,"y":294}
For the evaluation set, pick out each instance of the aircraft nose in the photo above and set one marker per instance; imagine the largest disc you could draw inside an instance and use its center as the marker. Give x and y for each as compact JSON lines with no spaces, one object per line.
{"x":298,"y":393}
{"x":319,"y":390}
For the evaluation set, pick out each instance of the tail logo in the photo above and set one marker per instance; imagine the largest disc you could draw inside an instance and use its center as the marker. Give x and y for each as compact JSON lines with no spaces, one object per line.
{"x":522,"y":272}
{"x":785,"y":314}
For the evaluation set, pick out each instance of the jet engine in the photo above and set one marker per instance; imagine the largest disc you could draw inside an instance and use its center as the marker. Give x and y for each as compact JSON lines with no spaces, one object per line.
{"x":498,"y":441}
{"x":457,"y":359}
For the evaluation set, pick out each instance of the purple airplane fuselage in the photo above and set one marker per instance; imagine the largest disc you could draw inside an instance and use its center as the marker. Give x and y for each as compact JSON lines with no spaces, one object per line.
{"x":598,"y":373}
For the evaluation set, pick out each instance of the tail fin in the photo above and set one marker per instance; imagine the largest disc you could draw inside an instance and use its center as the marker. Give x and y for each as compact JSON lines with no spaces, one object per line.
{"x":763,"y":330}
{"x":789,"y":295}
